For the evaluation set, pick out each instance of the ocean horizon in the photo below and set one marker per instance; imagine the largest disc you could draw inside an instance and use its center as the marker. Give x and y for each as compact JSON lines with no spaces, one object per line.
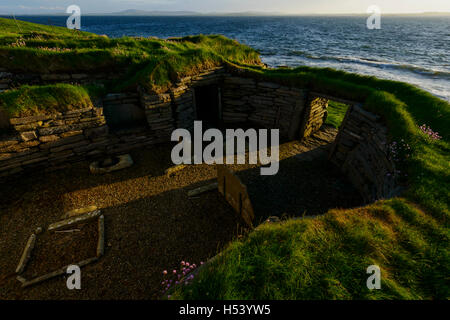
{"x":413,"y":49}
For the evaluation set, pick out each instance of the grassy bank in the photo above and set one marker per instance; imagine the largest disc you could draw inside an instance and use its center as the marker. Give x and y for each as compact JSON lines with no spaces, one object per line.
{"x":327,"y":258}
{"x":149,"y":62}
{"x":321,"y":258}
{"x":31,"y":100}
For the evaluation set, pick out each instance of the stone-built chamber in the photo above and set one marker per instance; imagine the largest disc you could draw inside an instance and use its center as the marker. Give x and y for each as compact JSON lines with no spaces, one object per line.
{"x":221,"y":98}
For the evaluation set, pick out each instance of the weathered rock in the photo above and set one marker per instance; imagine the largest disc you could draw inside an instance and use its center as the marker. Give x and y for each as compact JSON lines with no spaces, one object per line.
{"x":362,"y":154}
{"x":94,"y":133}
{"x":203,"y":189}
{"x":74,"y":220}
{"x":125,"y":161}
{"x":28,"y":135}
{"x":172,"y":170}
{"x":78,"y":212}
{"x":26,"y":120}
{"x":101,"y":236}
{"x":273,"y":219}
{"x":50,"y":138}
{"x":26,"y":254}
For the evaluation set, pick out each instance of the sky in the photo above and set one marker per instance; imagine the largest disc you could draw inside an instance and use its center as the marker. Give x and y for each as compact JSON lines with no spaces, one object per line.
{"x":205,"y":6}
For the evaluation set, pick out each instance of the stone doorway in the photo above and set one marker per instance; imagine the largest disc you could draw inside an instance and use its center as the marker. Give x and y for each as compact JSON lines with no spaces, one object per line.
{"x":208,"y":106}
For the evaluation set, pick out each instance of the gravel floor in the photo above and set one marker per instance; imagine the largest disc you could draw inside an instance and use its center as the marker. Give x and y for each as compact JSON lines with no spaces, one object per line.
{"x":150,"y":222}
{"x":54,"y":250}
{"x":150,"y":225}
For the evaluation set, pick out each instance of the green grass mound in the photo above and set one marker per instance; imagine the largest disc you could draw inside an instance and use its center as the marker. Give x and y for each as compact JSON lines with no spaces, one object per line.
{"x":149,"y":62}
{"x":327,"y":258}
{"x":31,"y":100}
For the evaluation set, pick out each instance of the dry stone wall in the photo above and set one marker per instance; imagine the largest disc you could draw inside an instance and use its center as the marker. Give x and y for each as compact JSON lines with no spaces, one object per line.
{"x":5,"y":79}
{"x":183,"y":98}
{"x":158,"y":111}
{"x":314,"y":116}
{"x":10,"y":80}
{"x":51,"y":140}
{"x":361,"y":152}
{"x":264,"y":104}
{"x":144,"y":126}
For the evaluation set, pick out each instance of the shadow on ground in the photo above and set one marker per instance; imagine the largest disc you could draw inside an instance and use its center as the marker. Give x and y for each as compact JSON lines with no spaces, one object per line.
{"x":151,"y":223}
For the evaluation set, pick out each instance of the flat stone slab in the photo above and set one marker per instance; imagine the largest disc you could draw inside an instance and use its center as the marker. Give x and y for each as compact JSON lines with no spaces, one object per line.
{"x":74,"y":220}
{"x":26,"y":254}
{"x":63,"y":270}
{"x":203,"y":189}
{"x":79,"y":212}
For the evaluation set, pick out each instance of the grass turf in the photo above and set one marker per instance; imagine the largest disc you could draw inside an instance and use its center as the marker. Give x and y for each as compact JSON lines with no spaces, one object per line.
{"x":31,"y":100}
{"x":327,"y":258}
{"x":150,"y":62}
{"x":336,"y":112}
{"x":321,"y":258}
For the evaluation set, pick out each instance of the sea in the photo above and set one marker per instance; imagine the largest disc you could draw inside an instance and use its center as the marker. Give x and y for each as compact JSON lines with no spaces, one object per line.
{"x":413,"y":49}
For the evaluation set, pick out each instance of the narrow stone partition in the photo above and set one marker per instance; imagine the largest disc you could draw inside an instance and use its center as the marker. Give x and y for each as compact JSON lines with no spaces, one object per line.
{"x":158,"y":111}
{"x":361,"y":152}
{"x":314,"y":116}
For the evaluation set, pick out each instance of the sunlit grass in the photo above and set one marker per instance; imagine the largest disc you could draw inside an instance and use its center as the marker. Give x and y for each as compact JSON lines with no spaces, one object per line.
{"x":327,"y":258}
{"x":336,"y":113}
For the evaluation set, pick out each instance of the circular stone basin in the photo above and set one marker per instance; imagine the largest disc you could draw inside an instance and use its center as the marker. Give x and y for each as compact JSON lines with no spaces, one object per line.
{"x":111,"y":164}
{"x":108,"y":162}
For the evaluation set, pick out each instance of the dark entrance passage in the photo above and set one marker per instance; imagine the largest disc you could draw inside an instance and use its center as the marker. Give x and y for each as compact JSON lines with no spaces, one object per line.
{"x":207,"y":99}
{"x":124,"y":116}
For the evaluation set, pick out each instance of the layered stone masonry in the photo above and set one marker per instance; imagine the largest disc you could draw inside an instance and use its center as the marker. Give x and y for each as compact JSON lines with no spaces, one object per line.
{"x":361,"y":152}
{"x":51,"y":140}
{"x":55,"y":141}
{"x":10,"y":80}
{"x":5,"y":79}
{"x":158,"y":112}
{"x":314,"y":116}
{"x":265,"y":104}
{"x":125,"y":140}
{"x":176,"y":108}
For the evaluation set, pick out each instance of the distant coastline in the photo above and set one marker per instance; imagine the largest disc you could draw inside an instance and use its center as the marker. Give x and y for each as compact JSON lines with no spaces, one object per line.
{"x":156,"y":13}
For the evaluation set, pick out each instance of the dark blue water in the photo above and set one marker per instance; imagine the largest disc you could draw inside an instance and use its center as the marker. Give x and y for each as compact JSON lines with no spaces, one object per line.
{"x":410,"y":49}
